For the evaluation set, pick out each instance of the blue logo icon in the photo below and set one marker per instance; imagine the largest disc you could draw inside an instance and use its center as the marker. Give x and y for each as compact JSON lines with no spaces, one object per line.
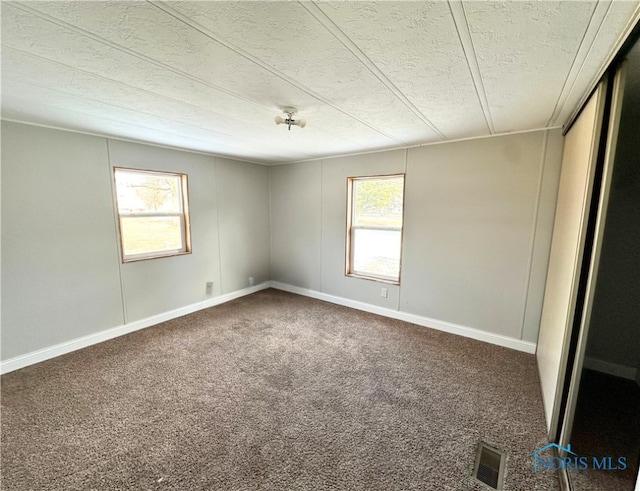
{"x":569,"y":460}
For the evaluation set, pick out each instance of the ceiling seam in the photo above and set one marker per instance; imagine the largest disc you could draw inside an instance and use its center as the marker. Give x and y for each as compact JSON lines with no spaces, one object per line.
{"x":253,"y":59}
{"x":154,"y":94}
{"x":130,"y":52}
{"x":556,"y":110}
{"x":624,"y":36}
{"x":319,"y":14}
{"x":577,"y":66}
{"x":268,"y":156}
{"x":120,"y":121}
{"x":134,"y":87}
{"x":111,"y":80}
{"x":140,"y":124}
{"x":591,"y":37}
{"x":466,"y":41}
{"x":142,"y":57}
{"x":89,"y":99}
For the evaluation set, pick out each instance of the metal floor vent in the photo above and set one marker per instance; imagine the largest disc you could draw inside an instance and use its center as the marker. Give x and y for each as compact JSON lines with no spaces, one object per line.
{"x":489,"y":466}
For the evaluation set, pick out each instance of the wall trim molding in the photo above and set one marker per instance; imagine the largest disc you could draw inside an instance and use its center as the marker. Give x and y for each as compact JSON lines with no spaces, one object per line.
{"x":82,"y":342}
{"x":449,"y":327}
{"x":416,"y":145}
{"x":611,"y":368}
{"x":133,"y":140}
{"x":50,"y":352}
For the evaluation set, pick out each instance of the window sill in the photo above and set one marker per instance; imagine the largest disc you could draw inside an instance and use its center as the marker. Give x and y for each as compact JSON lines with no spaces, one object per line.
{"x":377,"y":279}
{"x":155,"y":256}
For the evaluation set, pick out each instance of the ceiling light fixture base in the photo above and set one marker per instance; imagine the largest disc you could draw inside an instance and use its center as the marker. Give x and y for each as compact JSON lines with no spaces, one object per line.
{"x":289,"y":112}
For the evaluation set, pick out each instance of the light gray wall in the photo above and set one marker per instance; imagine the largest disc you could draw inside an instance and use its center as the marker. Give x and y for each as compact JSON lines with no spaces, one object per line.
{"x":296,"y":206}
{"x":469,"y":226}
{"x":243,"y":202}
{"x":543,"y":233}
{"x":62,"y":277}
{"x":478,"y":220}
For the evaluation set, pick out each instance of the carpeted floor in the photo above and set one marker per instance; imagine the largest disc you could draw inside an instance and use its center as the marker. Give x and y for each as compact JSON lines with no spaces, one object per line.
{"x":273,"y":392}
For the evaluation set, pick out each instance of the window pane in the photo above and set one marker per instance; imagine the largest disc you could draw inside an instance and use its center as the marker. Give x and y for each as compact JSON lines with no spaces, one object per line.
{"x":142,"y":192}
{"x":378,"y":202}
{"x":141,"y":235}
{"x":377,"y":252}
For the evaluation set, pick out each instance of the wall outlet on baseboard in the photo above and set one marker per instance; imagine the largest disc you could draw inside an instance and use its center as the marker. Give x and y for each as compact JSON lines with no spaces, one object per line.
{"x":251,"y":281}
{"x":209,"y":289}
{"x":384,"y":293}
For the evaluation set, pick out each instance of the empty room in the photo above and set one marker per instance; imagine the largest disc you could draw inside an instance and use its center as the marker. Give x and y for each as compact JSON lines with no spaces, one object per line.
{"x":318,"y":245}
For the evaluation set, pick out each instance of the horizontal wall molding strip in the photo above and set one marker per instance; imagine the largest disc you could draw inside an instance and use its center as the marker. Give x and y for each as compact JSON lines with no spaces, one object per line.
{"x":467,"y":332}
{"x":610,"y":368}
{"x":67,"y":347}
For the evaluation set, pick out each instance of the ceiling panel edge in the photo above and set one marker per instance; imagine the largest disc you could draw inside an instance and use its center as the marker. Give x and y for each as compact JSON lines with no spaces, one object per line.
{"x":462,"y":26}
{"x":89,"y":75}
{"x":600,"y":11}
{"x":133,"y":140}
{"x":427,"y":144}
{"x":634,"y":20}
{"x":322,"y":17}
{"x":99,"y":39}
{"x":253,"y":59}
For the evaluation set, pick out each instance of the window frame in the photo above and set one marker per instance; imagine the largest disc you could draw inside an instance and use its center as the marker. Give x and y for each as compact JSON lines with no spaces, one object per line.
{"x":349,"y":256}
{"x":185,"y":224}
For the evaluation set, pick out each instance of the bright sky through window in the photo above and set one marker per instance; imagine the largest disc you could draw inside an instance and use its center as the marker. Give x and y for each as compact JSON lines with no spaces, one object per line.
{"x":375,"y":227}
{"x":152,"y":211}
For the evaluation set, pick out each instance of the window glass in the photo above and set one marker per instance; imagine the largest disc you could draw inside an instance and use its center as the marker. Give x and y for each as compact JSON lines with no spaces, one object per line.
{"x":375,"y":227}
{"x":152,"y":210}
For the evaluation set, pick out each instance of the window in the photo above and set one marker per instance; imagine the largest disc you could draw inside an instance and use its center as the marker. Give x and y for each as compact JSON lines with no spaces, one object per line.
{"x":153,"y":214}
{"x":374,"y":227}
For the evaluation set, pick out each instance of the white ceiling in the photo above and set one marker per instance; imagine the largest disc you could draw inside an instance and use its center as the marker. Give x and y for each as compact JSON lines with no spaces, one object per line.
{"x":211,"y":76}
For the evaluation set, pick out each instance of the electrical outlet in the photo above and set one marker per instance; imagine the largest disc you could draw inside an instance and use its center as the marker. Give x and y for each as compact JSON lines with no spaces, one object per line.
{"x":384,"y":293}
{"x":251,"y":281}
{"x":209,"y":290}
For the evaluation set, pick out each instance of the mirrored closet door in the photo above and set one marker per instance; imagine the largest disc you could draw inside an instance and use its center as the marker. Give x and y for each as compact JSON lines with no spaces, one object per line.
{"x":599,"y":420}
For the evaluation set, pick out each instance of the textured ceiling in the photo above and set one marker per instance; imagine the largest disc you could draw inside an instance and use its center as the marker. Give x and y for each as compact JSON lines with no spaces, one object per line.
{"x":211,"y":76}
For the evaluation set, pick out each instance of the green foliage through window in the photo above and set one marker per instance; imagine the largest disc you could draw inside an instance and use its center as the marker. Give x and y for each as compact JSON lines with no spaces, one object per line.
{"x":152,"y":209}
{"x":375,"y":227}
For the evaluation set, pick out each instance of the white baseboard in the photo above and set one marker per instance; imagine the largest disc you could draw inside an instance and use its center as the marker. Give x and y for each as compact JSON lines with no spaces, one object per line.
{"x":468,"y":332}
{"x":610,"y":368}
{"x":91,"y":339}
{"x":75,"y":344}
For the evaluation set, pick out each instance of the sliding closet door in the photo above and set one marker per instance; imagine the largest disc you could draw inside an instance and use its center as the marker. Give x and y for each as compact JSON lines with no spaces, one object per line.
{"x":603,"y":203}
{"x":565,"y":260}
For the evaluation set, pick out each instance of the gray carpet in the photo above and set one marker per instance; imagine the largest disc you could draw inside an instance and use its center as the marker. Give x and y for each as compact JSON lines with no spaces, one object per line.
{"x":273,"y":392}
